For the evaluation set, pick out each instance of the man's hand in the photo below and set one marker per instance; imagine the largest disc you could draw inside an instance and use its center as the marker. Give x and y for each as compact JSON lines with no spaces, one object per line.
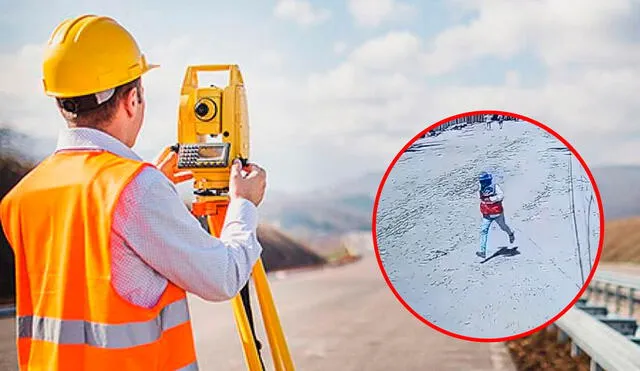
{"x":167,"y":162}
{"x":250,"y":186}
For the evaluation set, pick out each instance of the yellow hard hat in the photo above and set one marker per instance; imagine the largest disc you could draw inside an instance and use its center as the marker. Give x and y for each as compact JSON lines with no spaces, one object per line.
{"x":90,"y":54}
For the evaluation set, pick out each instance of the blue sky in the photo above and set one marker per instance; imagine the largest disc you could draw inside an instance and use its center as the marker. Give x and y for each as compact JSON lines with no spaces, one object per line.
{"x":336,"y":88}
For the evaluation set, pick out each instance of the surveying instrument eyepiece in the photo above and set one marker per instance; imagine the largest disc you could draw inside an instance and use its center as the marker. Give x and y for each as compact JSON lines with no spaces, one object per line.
{"x":213,"y":131}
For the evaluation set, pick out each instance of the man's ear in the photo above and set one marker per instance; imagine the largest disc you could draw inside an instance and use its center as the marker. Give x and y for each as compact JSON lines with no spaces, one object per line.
{"x":131,"y":101}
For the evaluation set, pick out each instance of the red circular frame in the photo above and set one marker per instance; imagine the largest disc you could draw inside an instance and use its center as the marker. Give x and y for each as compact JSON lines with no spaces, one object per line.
{"x":506,"y":338}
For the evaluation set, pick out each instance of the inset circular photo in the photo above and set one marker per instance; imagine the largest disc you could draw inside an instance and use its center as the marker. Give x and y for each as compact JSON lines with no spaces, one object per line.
{"x":488,"y":226}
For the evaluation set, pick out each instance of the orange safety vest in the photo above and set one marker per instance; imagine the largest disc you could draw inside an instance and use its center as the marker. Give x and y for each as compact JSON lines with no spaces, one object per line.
{"x":58,"y":222}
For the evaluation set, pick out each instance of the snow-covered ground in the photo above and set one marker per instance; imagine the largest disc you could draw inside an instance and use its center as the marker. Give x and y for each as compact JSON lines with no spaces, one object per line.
{"x":428,"y":229}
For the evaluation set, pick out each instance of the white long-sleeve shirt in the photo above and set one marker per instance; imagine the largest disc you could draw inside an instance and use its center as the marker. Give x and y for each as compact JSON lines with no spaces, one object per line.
{"x":155,"y":239}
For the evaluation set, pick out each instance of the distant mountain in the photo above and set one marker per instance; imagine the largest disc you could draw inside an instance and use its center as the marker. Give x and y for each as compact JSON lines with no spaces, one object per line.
{"x":24,"y":147}
{"x":11,"y":171}
{"x":619,"y":189}
{"x":337,"y":210}
{"x":14,"y":164}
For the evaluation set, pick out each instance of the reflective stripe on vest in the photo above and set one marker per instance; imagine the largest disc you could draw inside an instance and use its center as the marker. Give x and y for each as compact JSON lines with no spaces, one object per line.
{"x":77,"y":332}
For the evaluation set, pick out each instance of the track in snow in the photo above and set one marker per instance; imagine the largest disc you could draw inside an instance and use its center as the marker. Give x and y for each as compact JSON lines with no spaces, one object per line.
{"x":428,"y":229}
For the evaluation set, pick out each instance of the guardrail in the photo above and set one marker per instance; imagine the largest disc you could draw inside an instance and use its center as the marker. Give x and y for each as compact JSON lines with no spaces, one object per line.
{"x":608,"y":349}
{"x":608,"y":338}
{"x":607,"y":285}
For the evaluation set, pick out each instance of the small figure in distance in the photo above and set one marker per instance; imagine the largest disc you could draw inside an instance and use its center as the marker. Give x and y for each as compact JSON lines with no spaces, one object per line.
{"x":491,"y":197}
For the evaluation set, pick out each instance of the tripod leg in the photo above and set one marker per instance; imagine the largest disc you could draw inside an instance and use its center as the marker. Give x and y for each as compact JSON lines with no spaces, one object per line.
{"x":277,"y":342}
{"x":254,"y":363}
{"x":246,"y":302}
{"x":241,"y":310}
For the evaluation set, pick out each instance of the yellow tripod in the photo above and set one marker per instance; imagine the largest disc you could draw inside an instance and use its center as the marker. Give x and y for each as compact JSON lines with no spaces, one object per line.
{"x":213,"y":129}
{"x":214,"y":212}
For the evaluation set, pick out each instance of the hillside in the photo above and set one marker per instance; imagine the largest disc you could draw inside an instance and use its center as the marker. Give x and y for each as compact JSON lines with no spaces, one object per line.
{"x":11,"y":171}
{"x":283,"y":252}
{"x":622,"y":241}
{"x":341,"y":209}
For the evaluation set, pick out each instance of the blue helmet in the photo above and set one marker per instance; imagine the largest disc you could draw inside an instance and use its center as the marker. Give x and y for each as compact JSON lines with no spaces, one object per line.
{"x":485,"y":177}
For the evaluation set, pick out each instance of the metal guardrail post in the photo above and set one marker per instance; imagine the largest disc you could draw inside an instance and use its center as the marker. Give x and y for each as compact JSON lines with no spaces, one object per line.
{"x":618,"y":298}
{"x":632,"y":300}
{"x":594,"y":366}
{"x":575,"y":350}
{"x":598,"y":290}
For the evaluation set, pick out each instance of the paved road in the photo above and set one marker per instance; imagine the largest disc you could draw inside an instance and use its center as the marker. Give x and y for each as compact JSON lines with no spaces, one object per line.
{"x":335,"y":319}
{"x":7,"y":345}
{"x":429,"y":223}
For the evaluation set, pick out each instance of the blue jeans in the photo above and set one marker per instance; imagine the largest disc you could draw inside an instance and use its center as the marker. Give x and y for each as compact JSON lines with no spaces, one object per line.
{"x":486,"y":224}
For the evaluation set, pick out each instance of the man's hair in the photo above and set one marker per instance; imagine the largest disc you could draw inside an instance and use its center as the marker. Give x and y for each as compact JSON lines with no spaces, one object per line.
{"x":98,"y":115}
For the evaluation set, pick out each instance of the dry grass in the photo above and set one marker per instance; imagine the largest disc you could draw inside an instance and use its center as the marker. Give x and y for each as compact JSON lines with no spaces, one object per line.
{"x":540,"y":351}
{"x":622,"y":241}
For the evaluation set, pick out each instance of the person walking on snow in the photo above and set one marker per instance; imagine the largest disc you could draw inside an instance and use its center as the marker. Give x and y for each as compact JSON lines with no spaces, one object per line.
{"x":491,"y":197}
{"x":488,"y":122}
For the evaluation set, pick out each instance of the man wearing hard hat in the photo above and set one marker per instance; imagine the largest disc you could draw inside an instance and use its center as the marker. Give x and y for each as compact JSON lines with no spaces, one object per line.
{"x":105,"y":249}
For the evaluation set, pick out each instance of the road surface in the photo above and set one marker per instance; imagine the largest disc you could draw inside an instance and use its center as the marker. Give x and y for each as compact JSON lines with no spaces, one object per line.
{"x":335,"y":319}
{"x":428,"y":225}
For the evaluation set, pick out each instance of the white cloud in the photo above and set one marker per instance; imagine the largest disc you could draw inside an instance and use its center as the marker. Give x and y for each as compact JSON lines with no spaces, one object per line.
{"x":372,"y":13}
{"x":512,"y":78}
{"x":587,"y":91}
{"x":301,"y":12}
{"x":271,"y":59}
{"x":391,"y":51}
{"x":339,"y":47}
{"x":24,"y":104}
{"x":558,"y":32}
